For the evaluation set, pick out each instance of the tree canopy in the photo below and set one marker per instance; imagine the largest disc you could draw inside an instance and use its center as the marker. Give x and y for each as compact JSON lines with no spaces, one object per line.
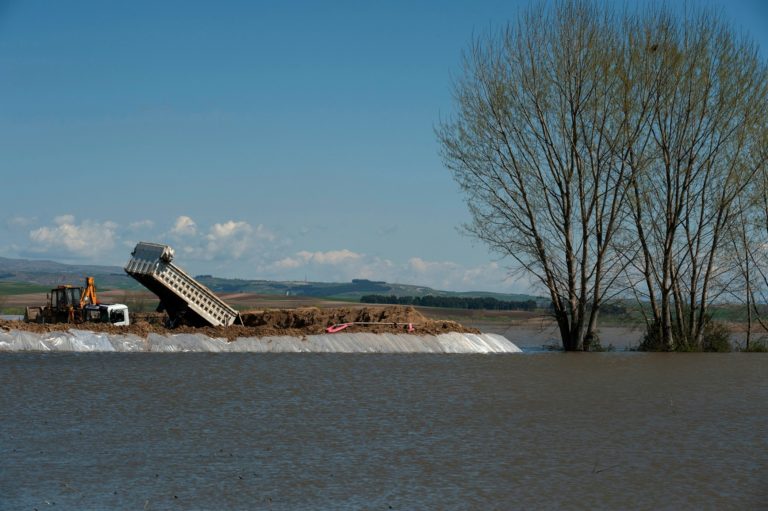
{"x":609,"y":153}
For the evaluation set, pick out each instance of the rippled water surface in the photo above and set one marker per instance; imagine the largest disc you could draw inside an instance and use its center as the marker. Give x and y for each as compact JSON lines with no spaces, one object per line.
{"x":320,"y":431}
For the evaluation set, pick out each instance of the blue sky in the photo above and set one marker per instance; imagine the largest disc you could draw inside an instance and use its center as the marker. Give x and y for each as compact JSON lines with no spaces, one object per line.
{"x":275,"y":140}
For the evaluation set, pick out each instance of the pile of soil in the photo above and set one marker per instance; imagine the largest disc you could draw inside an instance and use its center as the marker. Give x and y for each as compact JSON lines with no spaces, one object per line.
{"x":272,"y":322}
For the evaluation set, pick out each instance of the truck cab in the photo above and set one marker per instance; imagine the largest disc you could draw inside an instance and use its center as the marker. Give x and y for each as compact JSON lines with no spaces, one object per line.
{"x":115,"y":313}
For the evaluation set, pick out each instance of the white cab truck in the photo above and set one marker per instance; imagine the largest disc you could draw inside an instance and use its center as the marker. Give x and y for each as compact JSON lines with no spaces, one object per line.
{"x":115,"y":313}
{"x":184,"y":299}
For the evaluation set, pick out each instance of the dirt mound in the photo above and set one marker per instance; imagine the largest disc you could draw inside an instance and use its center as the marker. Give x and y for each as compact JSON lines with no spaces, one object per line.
{"x":312,"y":317}
{"x":294,"y":322}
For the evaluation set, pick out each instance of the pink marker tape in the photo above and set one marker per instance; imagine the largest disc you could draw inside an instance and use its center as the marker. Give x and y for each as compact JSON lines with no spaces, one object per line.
{"x":337,"y":328}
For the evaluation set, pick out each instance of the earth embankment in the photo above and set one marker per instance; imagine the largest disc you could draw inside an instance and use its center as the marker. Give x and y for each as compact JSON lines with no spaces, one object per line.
{"x":277,"y":322}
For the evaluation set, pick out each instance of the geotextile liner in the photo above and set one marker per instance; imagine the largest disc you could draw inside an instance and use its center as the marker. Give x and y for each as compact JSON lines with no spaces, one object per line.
{"x":84,"y":341}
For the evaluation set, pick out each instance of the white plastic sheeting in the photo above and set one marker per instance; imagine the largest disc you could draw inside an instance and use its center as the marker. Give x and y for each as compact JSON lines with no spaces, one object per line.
{"x":83,"y":341}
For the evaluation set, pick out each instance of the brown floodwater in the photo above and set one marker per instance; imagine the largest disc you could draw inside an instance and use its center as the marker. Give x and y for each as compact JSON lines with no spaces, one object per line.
{"x":332,"y":431}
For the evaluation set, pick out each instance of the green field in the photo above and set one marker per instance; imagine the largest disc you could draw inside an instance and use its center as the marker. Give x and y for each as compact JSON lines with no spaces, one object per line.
{"x":21,"y":288}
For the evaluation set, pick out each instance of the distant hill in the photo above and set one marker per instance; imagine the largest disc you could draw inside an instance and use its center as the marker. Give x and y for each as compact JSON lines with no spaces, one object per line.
{"x":50,"y":273}
{"x":340,"y":290}
{"x":46,"y":266}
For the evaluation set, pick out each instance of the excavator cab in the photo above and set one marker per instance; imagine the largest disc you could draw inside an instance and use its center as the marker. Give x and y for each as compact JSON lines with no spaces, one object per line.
{"x":64,"y":297}
{"x":64,"y":304}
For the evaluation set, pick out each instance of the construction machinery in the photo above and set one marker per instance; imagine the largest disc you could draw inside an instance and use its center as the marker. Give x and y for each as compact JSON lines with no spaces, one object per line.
{"x":185,"y":300}
{"x":74,"y":304}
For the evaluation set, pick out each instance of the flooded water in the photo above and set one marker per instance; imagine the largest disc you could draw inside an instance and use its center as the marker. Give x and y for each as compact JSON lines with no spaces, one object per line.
{"x":329,"y":431}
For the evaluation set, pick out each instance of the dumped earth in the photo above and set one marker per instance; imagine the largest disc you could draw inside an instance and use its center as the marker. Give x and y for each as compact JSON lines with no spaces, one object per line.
{"x":188,"y":302}
{"x":291,"y":322}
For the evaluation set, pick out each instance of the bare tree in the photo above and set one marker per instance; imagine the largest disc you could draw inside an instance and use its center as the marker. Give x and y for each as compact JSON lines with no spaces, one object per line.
{"x":748,"y":244}
{"x":708,"y":115}
{"x":593,"y":147}
{"x":539,"y":148}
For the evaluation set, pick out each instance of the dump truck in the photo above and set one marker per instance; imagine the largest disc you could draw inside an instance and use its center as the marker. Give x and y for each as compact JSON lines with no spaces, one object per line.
{"x":75,"y":304}
{"x":185,"y":300}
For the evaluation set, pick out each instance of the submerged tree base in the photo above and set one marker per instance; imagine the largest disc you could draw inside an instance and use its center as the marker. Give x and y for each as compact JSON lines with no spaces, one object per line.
{"x":716,"y":338}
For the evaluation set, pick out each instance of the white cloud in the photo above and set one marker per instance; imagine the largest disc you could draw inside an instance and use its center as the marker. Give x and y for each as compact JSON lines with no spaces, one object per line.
{"x":225,"y":241}
{"x":88,"y":239}
{"x":439,"y":274}
{"x":332,"y":257}
{"x":64,"y":219}
{"x":262,"y":233}
{"x":141,"y":225}
{"x":235,"y":248}
{"x":451,"y":275}
{"x":306,"y":258}
{"x":184,"y":227}
{"x":230,"y":239}
{"x":344,"y":265}
{"x":228,"y":229}
{"x":20,"y":221}
{"x":376,"y":268}
{"x":287,"y":263}
{"x":419,"y":265}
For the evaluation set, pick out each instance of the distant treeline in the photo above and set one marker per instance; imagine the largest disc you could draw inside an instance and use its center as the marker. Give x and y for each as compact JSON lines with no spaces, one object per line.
{"x":452,"y":302}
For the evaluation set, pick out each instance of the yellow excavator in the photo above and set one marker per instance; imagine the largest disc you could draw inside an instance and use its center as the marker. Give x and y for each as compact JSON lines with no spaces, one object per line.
{"x":75,"y":304}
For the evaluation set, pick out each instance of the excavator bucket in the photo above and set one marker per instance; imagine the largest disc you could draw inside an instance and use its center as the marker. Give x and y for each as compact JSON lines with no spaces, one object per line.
{"x":33,"y":314}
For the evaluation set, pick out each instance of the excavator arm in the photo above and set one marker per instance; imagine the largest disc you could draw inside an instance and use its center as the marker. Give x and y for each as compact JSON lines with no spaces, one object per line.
{"x":88,"y":296}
